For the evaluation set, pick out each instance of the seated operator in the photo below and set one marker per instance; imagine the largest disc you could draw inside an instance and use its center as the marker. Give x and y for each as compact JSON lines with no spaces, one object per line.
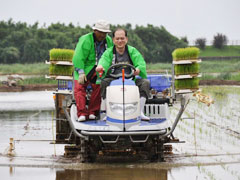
{"x":125,"y":54}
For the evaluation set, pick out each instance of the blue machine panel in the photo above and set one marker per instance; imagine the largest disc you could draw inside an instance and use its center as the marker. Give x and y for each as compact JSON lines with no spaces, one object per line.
{"x":159,"y":82}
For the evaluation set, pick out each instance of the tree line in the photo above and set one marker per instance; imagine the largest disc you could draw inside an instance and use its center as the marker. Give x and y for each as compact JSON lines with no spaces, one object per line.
{"x":219,"y":41}
{"x":23,"y":43}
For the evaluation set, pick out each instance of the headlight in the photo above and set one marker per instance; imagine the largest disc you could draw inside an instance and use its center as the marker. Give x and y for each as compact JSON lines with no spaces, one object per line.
{"x":117,"y":108}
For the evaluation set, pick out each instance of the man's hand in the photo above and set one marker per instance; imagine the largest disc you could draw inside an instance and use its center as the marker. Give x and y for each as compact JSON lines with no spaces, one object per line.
{"x":99,"y":68}
{"x":82,"y":78}
{"x":136,"y":72}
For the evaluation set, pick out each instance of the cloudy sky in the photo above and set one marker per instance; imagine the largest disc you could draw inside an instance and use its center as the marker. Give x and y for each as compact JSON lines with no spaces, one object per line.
{"x":190,"y":18}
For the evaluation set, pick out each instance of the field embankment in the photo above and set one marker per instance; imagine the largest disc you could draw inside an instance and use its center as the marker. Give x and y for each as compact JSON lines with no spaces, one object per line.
{"x":214,"y":72}
{"x":226,"y":51}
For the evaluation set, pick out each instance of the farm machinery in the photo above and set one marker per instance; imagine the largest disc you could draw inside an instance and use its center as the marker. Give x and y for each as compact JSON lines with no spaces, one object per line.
{"x":119,"y":130}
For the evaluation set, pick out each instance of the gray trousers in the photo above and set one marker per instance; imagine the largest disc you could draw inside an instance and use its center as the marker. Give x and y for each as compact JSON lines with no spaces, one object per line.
{"x":143,"y":86}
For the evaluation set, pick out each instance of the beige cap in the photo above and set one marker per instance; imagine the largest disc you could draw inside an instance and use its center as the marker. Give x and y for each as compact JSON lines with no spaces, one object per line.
{"x":102,"y":25}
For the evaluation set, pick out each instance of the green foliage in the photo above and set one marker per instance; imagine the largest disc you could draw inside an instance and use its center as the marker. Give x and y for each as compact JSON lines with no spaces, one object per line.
{"x":61,"y":54}
{"x":36,"y":68}
{"x":186,"y":53}
{"x":186,"y":83}
{"x":60,"y":70}
{"x":158,"y":42}
{"x":209,"y":69}
{"x":9,"y":55}
{"x":211,"y":51}
{"x":181,"y":69}
{"x":37,"y":80}
{"x":235,"y":77}
{"x":34,"y":43}
{"x":219,"y":41}
{"x":224,"y":76}
{"x":206,"y":76}
{"x":201,"y":43}
{"x":220,"y":66}
{"x":184,"y":39}
{"x":159,"y":67}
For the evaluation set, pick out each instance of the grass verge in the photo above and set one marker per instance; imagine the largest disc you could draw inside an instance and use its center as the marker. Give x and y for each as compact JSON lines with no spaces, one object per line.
{"x":31,"y":69}
{"x":37,"y":80}
{"x":223,"y":70}
{"x":210,"y":51}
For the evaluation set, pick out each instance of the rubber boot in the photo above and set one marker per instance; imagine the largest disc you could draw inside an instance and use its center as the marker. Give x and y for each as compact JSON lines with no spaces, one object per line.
{"x":142,"y":104}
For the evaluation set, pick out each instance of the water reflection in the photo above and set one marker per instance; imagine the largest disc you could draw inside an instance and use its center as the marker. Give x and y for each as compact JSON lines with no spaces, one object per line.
{"x":26,"y":101}
{"x":21,"y":173}
{"x":122,"y":173}
{"x":112,"y":174}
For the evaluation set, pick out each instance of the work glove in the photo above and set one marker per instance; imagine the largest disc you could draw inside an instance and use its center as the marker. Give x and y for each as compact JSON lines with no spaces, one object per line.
{"x":82,"y":78}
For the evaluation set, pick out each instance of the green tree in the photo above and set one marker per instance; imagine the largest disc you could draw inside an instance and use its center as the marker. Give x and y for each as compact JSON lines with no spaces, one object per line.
{"x":184,"y":39}
{"x":159,"y":43}
{"x":220,"y":41}
{"x":37,"y":50}
{"x":33,"y":42}
{"x":201,"y":43}
{"x":30,"y":51}
{"x":9,"y":55}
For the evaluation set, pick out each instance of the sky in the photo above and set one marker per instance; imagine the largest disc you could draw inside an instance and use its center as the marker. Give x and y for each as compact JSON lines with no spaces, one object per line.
{"x":182,"y":18}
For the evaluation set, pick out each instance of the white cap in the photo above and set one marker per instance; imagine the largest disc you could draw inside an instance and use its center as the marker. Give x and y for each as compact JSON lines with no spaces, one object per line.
{"x":102,"y":26}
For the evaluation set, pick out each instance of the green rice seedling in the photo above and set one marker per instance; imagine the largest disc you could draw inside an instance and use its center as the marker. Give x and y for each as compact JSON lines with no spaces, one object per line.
{"x":60,"y":70}
{"x":181,"y":69}
{"x":185,"y":53}
{"x":187,"y":83}
{"x":61,"y":54}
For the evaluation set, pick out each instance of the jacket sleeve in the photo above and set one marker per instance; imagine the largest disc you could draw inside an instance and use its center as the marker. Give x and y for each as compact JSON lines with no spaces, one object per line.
{"x":106,"y":60}
{"x":138,"y":62}
{"x":81,"y":53}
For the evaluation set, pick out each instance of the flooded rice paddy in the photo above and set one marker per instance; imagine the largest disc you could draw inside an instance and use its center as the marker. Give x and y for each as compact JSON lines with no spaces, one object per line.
{"x":211,"y":149}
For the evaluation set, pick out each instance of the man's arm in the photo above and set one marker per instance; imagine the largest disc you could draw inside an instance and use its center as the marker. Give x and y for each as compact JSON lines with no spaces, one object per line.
{"x":80,"y":55}
{"x":105,"y":61}
{"x":138,"y":62}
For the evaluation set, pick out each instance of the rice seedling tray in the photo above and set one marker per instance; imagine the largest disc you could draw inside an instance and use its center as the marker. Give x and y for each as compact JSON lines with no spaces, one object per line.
{"x":59,"y":77}
{"x":66,"y":63}
{"x":187,"y":76}
{"x":187,"y":61}
{"x":61,"y":54}
{"x":185,"y":91}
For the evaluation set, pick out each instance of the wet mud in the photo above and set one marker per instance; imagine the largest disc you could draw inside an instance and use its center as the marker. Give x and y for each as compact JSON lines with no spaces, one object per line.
{"x":211,"y":149}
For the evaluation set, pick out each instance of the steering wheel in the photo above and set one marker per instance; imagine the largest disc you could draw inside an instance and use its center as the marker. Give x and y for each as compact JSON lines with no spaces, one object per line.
{"x":127,"y":76}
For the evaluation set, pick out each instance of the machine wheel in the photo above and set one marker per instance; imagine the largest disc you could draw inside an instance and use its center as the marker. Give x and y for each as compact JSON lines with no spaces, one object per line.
{"x":88,"y":151}
{"x":157,"y":152}
{"x":83,"y":153}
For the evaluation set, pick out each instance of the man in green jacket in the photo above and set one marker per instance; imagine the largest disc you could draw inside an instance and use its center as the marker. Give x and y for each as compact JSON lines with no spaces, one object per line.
{"x":87,"y":53}
{"x":125,"y":54}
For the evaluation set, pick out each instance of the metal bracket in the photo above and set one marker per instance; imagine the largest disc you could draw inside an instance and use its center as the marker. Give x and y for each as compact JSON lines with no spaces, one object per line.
{"x":114,"y":141}
{"x":139,"y":141}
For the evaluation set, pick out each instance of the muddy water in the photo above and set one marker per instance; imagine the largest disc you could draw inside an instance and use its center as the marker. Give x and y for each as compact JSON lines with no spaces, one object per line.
{"x":211,"y":149}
